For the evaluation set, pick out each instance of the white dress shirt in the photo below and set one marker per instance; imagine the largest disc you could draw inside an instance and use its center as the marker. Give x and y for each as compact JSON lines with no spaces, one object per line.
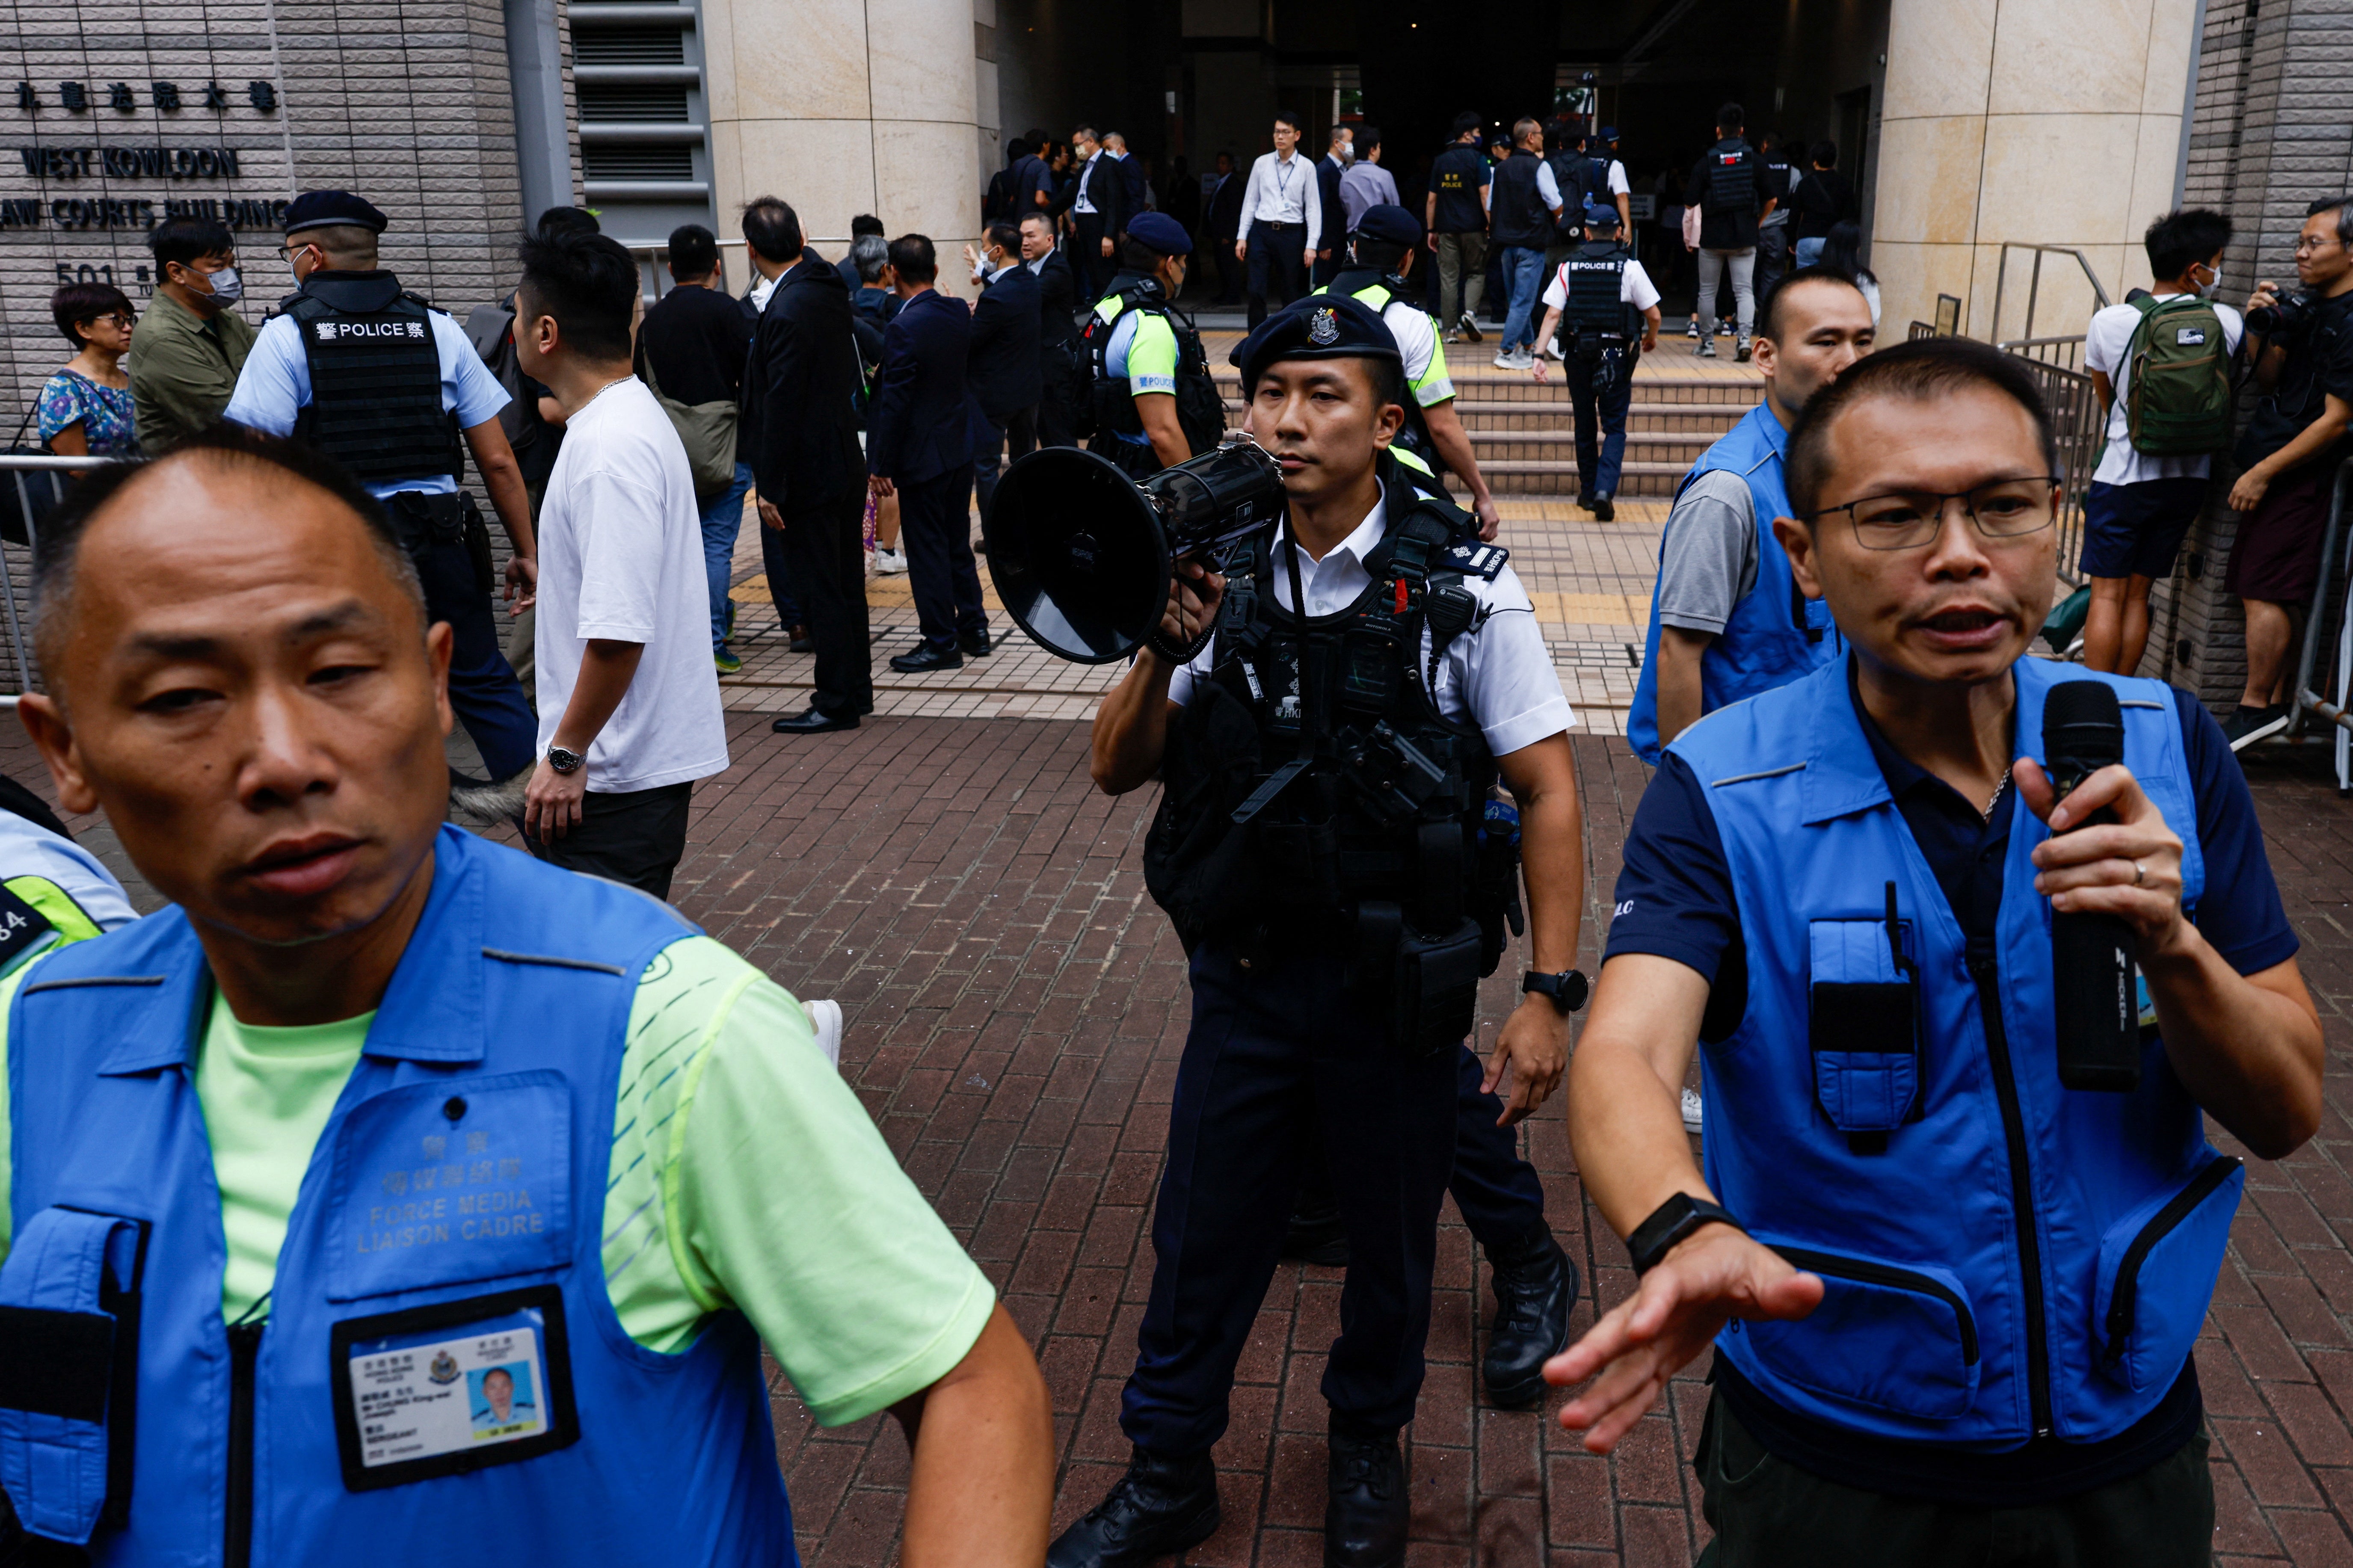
{"x":1282,"y":190}
{"x":1079,"y":203}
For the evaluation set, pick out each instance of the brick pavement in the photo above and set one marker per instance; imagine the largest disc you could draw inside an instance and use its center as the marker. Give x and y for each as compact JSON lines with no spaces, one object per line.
{"x":1016,"y":1007}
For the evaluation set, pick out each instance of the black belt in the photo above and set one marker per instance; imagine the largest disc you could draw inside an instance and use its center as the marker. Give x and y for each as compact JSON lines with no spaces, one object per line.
{"x":1269,"y":222}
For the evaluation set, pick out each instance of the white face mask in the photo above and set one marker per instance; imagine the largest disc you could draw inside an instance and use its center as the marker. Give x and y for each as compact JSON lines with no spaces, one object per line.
{"x":761,"y":291}
{"x":2204,"y":290}
{"x":228,"y":287}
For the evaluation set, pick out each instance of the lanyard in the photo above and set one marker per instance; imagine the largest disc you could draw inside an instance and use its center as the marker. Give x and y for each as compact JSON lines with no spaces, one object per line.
{"x":1282,"y":179}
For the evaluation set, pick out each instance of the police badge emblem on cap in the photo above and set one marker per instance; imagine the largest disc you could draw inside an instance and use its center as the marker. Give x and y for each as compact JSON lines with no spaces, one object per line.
{"x":1323,"y":328}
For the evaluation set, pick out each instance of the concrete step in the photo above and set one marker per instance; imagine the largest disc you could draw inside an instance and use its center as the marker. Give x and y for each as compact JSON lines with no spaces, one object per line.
{"x":1637,"y":481}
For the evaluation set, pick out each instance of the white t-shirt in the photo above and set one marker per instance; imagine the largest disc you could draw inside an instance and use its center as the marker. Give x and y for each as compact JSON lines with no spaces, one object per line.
{"x":620,"y":558}
{"x":1497,"y":675}
{"x":2104,"y":345}
{"x":1634,"y":287}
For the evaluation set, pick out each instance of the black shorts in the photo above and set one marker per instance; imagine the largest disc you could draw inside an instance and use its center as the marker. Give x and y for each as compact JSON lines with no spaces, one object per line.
{"x":2135,"y":531}
{"x":2277,"y":556}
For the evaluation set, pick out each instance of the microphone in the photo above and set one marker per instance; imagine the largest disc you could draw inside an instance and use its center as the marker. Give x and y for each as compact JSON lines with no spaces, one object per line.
{"x":2092,"y":974}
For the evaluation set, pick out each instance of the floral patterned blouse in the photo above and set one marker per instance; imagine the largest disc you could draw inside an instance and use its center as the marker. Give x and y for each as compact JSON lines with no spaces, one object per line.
{"x":70,"y":398}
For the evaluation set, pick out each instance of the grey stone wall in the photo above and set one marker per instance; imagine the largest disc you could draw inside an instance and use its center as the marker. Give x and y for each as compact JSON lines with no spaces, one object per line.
{"x":407,"y":103}
{"x":2269,"y":135}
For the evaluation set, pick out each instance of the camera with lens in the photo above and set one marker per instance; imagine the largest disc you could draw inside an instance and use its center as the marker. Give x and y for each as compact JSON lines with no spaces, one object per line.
{"x":1081,"y":554}
{"x":2284,"y":319}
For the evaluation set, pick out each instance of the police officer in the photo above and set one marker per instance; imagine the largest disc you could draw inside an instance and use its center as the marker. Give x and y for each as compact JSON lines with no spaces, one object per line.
{"x":1155,"y":403}
{"x":52,"y":890}
{"x":1381,"y":253}
{"x":1953,"y":1299}
{"x":1728,"y":186}
{"x":1779,"y":177}
{"x":1602,"y":296}
{"x":1349,"y":690}
{"x":363,"y":1115}
{"x":1727,"y":619}
{"x":356,"y":367}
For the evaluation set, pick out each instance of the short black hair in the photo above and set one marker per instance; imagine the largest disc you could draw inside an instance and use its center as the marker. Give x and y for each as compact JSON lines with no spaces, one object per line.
{"x":58,"y":540}
{"x":568,"y":220}
{"x":1367,"y":138}
{"x":693,"y":251}
{"x":1016,"y":150}
{"x":79,"y":302}
{"x":2181,"y":240}
{"x":865,"y":223}
{"x":1004,"y":234}
{"x":1292,"y":118}
{"x":1469,"y":120}
{"x":187,"y":240}
{"x":2343,"y":207}
{"x":1384,"y":253}
{"x":1731,"y":117}
{"x":774,"y":230}
{"x":914,"y":260}
{"x":1918,"y":370}
{"x":1138,"y":257}
{"x":589,"y":284}
{"x":1826,"y":154}
{"x":1768,"y":309}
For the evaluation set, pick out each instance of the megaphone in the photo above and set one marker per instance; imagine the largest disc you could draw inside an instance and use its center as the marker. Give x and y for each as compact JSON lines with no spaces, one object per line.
{"x":1081,"y":553}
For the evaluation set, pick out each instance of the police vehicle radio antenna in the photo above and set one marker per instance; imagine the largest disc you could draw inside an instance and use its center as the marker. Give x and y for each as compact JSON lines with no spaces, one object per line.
{"x":1081,"y":554}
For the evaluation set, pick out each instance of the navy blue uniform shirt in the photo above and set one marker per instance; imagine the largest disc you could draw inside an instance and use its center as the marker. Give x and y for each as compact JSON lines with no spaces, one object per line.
{"x":1674,"y":899}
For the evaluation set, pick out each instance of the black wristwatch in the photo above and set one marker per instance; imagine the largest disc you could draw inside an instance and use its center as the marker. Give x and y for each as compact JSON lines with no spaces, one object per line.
{"x":1668,"y":1224}
{"x":564,"y":761}
{"x":1568,"y":990}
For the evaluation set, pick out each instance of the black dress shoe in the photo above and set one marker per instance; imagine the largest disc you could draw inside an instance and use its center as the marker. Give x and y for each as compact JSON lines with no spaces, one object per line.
{"x":1161,"y":1506}
{"x":975,"y":646}
{"x":1365,"y":1517}
{"x":797,"y":640}
{"x":1603,"y":511}
{"x":926,"y":658}
{"x":815,"y":722}
{"x":1535,"y":1285}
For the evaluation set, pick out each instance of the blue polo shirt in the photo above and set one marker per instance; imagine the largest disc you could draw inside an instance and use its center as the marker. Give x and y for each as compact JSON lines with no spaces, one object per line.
{"x":1674,"y":899}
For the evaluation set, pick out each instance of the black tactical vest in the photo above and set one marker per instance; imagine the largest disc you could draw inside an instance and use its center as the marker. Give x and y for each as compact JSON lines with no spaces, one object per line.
{"x":1317,"y":800}
{"x":1378,"y":291}
{"x":1517,"y":211}
{"x":1573,"y":172}
{"x":1731,"y":178}
{"x":1200,"y":407}
{"x":375,"y":378}
{"x":1597,"y":277}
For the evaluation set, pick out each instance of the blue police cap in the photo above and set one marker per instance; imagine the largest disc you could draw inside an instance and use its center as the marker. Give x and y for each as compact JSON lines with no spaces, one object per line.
{"x":1598,"y":216}
{"x":1610,"y":134}
{"x":333,"y":209}
{"x":1390,"y":224}
{"x":1160,"y":232}
{"x":1321,"y":326}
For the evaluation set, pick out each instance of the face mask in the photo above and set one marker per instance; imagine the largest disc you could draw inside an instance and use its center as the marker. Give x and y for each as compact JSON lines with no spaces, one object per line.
{"x":761,"y":291}
{"x":228,"y":287}
{"x":2204,"y":290}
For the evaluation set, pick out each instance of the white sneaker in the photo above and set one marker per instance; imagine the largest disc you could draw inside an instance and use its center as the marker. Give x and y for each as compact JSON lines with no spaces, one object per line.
{"x":890,"y":562}
{"x":825,"y":1017}
{"x":1691,"y":329}
{"x":1690,"y":1103}
{"x":1707,"y":348}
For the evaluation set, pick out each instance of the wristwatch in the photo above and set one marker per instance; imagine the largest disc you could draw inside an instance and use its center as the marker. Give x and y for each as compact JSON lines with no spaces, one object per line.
{"x":564,"y":761}
{"x":1568,"y":990}
{"x":1668,"y":1224}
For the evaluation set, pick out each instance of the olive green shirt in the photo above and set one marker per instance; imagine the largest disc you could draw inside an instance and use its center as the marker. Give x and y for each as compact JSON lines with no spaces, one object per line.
{"x":183,"y":369}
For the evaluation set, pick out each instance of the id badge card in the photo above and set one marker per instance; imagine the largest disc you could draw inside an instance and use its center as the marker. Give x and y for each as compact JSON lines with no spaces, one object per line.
{"x":449,"y":1388}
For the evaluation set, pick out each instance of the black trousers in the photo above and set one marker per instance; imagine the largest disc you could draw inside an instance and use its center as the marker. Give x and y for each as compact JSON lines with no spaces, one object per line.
{"x":1059,"y":403}
{"x":822,"y":554}
{"x":1092,"y":267}
{"x":935,"y":531}
{"x":484,"y":691}
{"x":637,"y":837}
{"x":1010,"y":440}
{"x":1270,"y":1046}
{"x":1767,"y":1514}
{"x":1276,"y":252}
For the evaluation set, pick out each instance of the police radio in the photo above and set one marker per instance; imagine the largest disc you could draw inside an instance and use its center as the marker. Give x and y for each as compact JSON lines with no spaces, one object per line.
{"x":2092,"y":973}
{"x":1081,"y":554}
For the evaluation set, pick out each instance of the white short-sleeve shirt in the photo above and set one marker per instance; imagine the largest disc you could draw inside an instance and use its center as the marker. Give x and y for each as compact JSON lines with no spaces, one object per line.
{"x":1634,"y":287}
{"x":1498,"y":675}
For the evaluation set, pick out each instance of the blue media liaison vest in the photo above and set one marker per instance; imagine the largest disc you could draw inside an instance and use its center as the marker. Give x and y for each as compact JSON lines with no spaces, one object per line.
{"x":1776,"y":634}
{"x":1898,"y":1175}
{"x":456,"y":1196}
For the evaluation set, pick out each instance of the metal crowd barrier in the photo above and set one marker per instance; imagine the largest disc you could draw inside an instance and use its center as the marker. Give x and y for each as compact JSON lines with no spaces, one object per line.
{"x":37,"y":481}
{"x":2321,"y":629}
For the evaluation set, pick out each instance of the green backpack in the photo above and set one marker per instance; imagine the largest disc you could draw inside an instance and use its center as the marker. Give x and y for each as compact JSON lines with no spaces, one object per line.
{"x":2177,"y":402}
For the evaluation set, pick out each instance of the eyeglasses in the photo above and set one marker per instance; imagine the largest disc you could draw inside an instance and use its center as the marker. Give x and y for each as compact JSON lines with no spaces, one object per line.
{"x":2001,"y":508}
{"x":116,"y":319}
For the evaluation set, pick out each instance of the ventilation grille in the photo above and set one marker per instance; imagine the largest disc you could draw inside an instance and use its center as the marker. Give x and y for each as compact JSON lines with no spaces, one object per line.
{"x":637,"y":163}
{"x":629,"y":46}
{"x":601,"y":101}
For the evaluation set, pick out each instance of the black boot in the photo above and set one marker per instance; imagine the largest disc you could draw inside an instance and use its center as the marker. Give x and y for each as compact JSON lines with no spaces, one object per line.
{"x":1161,"y":1506}
{"x":1535,"y":1285}
{"x":1365,"y":1520}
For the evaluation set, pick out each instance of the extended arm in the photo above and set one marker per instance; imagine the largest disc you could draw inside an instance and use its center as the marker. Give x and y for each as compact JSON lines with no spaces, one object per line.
{"x":2246,"y":1046}
{"x":1157,"y":410}
{"x":2310,"y":442}
{"x":1681,"y":650}
{"x":553,"y":802}
{"x":980,"y":1490}
{"x":1453,"y":444}
{"x":502,"y":477}
{"x":1535,"y":1039}
{"x":1130,"y":731}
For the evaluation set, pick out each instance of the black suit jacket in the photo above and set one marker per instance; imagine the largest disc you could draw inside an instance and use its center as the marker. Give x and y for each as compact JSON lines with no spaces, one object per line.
{"x":1335,"y":238}
{"x":1002,"y":364}
{"x":919,"y":425}
{"x":799,"y":427}
{"x":1225,"y":219}
{"x":1131,"y":185}
{"x":1058,"y":300}
{"x":1106,"y":192}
